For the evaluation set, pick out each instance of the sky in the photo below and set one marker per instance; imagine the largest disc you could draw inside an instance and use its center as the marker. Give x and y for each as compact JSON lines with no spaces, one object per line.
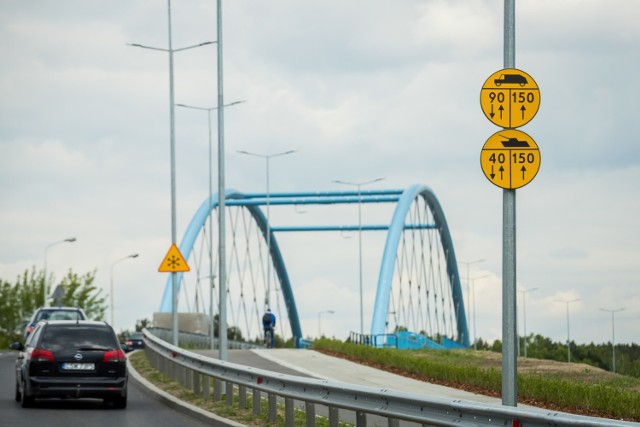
{"x":359,"y":90}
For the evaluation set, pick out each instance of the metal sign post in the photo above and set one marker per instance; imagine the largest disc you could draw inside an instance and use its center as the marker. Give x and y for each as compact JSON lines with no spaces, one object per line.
{"x":509,"y":332}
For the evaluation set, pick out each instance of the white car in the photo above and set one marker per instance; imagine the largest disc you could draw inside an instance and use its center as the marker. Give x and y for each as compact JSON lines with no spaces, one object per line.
{"x":54,"y":313}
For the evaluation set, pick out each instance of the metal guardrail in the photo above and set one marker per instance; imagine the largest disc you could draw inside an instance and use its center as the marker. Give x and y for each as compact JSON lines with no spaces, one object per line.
{"x":198,"y":373}
{"x":190,"y":340}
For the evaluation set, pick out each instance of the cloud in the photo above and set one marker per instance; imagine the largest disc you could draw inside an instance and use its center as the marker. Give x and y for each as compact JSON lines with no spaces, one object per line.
{"x":388,"y":90}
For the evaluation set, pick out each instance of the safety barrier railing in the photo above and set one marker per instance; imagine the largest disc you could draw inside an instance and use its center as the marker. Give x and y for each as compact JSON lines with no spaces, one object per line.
{"x":190,"y":340}
{"x":216,"y":378}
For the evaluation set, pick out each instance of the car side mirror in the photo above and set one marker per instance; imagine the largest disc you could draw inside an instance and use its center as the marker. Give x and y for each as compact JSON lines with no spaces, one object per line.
{"x":16,"y":346}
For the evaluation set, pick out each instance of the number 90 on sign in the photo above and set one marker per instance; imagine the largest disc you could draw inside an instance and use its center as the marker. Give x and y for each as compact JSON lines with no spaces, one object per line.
{"x":510,"y":98}
{"x":510,"y":159}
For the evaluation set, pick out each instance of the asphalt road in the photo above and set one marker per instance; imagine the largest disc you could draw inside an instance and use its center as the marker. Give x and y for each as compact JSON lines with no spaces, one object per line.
{"x":142,"y":408}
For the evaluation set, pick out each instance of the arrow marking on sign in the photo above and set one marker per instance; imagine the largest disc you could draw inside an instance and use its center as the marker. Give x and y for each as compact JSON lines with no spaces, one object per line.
{"x":523,"y":171}
{"x":523,"y":109}
{"x":492,"y":113}
{"x":492,"y":174}
{"x":501,"y":170}
{"x":501,"y":110}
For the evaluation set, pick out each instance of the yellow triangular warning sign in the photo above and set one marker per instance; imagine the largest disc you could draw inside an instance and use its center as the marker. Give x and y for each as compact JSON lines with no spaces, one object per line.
{"x":173,"y":262}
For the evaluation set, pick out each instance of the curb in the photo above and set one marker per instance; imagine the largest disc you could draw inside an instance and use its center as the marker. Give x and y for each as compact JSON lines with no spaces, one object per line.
{"x":177,"y":404}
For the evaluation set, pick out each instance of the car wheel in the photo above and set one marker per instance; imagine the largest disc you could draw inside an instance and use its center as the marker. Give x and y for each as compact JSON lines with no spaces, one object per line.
{"x":120,"y":402}
{"x":28,"y":401}
{"x":18,"y":394}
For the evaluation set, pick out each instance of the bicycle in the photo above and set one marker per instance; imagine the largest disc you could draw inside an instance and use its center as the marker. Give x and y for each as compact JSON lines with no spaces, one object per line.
{"x":269,"y":341}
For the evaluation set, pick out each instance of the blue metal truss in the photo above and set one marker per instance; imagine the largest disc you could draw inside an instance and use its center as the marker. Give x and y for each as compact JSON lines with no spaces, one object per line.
{"x":403,"y":198}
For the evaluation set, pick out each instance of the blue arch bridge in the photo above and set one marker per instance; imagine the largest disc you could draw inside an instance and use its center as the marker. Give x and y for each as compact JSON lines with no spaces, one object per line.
{"x":418,"y":302}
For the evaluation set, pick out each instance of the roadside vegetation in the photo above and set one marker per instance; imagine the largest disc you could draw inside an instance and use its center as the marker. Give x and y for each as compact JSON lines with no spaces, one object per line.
{"x":567,"y":387}
{"x":20,"y":299}
{"x":245,"y":416}
{"x":545,"y":379}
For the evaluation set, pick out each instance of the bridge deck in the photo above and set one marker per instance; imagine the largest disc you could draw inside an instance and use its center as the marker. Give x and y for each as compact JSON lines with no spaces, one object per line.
{"x":311,"y":363}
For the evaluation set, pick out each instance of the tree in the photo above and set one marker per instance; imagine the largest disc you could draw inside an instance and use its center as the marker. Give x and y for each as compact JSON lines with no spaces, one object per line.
{"x":19,"y":300}
{"x":142,"y":324}
{"x":79,"y":291}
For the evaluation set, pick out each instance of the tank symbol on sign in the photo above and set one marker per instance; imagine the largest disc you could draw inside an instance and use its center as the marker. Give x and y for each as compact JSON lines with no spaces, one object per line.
{"x":514,"y":142}
{"x":510,"y":159}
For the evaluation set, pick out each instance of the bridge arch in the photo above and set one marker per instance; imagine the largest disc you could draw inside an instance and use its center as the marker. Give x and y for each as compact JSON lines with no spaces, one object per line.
{"x":191,"y":234}
{"x":417,"y":212}
{"x":388,"y":265}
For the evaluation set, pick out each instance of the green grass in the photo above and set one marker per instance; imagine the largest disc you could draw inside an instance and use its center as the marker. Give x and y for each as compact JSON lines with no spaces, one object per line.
{"x":563,"y":387}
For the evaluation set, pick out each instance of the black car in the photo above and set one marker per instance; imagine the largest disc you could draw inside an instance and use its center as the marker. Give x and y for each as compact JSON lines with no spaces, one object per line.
{"x":53,"y":313}
{"x":135,"y":341}
{"x":71,"y":359}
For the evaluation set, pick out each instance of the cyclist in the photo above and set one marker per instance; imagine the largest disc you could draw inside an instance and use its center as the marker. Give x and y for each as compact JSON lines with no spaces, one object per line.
{"x":269,"y":324}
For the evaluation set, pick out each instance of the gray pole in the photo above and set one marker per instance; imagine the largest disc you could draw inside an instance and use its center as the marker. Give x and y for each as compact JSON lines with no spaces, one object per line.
{"x":613,"y":336}
{"x":267,"y":300}
{"x":211,"y":275}
{"x":358,"y":185}
{"x":111,"y":291}
{"x":222,"y":258}
{"x":267,"y":157}
{"x":473,"y":284}
{"x":174,"y":282}
{"x":211,"y":287}
{"x":44,"y":283}
{"x":568,"y":328}
{"x":469,"y":293}
{"x":170,"y":50}
{"x":360,"y":258}
{"x":509,"y":311}
{"x":524,"y":316}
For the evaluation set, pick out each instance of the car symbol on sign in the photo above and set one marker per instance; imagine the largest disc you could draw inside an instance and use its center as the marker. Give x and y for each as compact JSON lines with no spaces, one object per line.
{"x":511,"y":79}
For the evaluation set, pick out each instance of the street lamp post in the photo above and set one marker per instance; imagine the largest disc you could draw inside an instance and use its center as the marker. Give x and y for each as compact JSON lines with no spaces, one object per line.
{"x":267,"y":157}
{"x":319,"y":320}
{"x":44,"y":281}
{"x":113,"y":324}
{"x":473,"y":285}
{"x":524,"y":316}
{"x":468,"y":263}
{"x":171,"y":51}
{"x":211,"y":275}
{"x":568,"y":330}
{"x":358,"y":185}
{"x":613,"y":335}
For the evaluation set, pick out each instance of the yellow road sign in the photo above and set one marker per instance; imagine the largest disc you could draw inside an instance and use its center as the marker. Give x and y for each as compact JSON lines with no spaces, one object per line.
{"x":173,"y":262}
{"x":510,"y":159}
{"x":510,"y":98}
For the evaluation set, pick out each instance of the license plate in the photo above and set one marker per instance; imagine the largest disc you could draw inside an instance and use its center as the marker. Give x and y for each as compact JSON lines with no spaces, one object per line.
{"x":78,"y":366}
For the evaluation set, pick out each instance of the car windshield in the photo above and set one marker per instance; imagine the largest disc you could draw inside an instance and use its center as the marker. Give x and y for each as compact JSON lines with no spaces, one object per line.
{"x":74,"y":337}
{"x":59,"y":315}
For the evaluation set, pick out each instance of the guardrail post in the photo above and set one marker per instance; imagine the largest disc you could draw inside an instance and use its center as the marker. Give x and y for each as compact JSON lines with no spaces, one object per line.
{"x":188,"y":378}
{"x":196,"y":383}
{"x":229,"y":393}
{"x":242,"y":396}
{"x":361,"y":419}
{"x":393,"y":422}
{"x":273,"y":409}
{"x":172,"y":369}
{"x":310,"y":409}
{"x":206,"y":382}
{"x":334,"y":417}
{"x":257,"y":407}
{"x":288,"y":411}
{"x":217,"y":389}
